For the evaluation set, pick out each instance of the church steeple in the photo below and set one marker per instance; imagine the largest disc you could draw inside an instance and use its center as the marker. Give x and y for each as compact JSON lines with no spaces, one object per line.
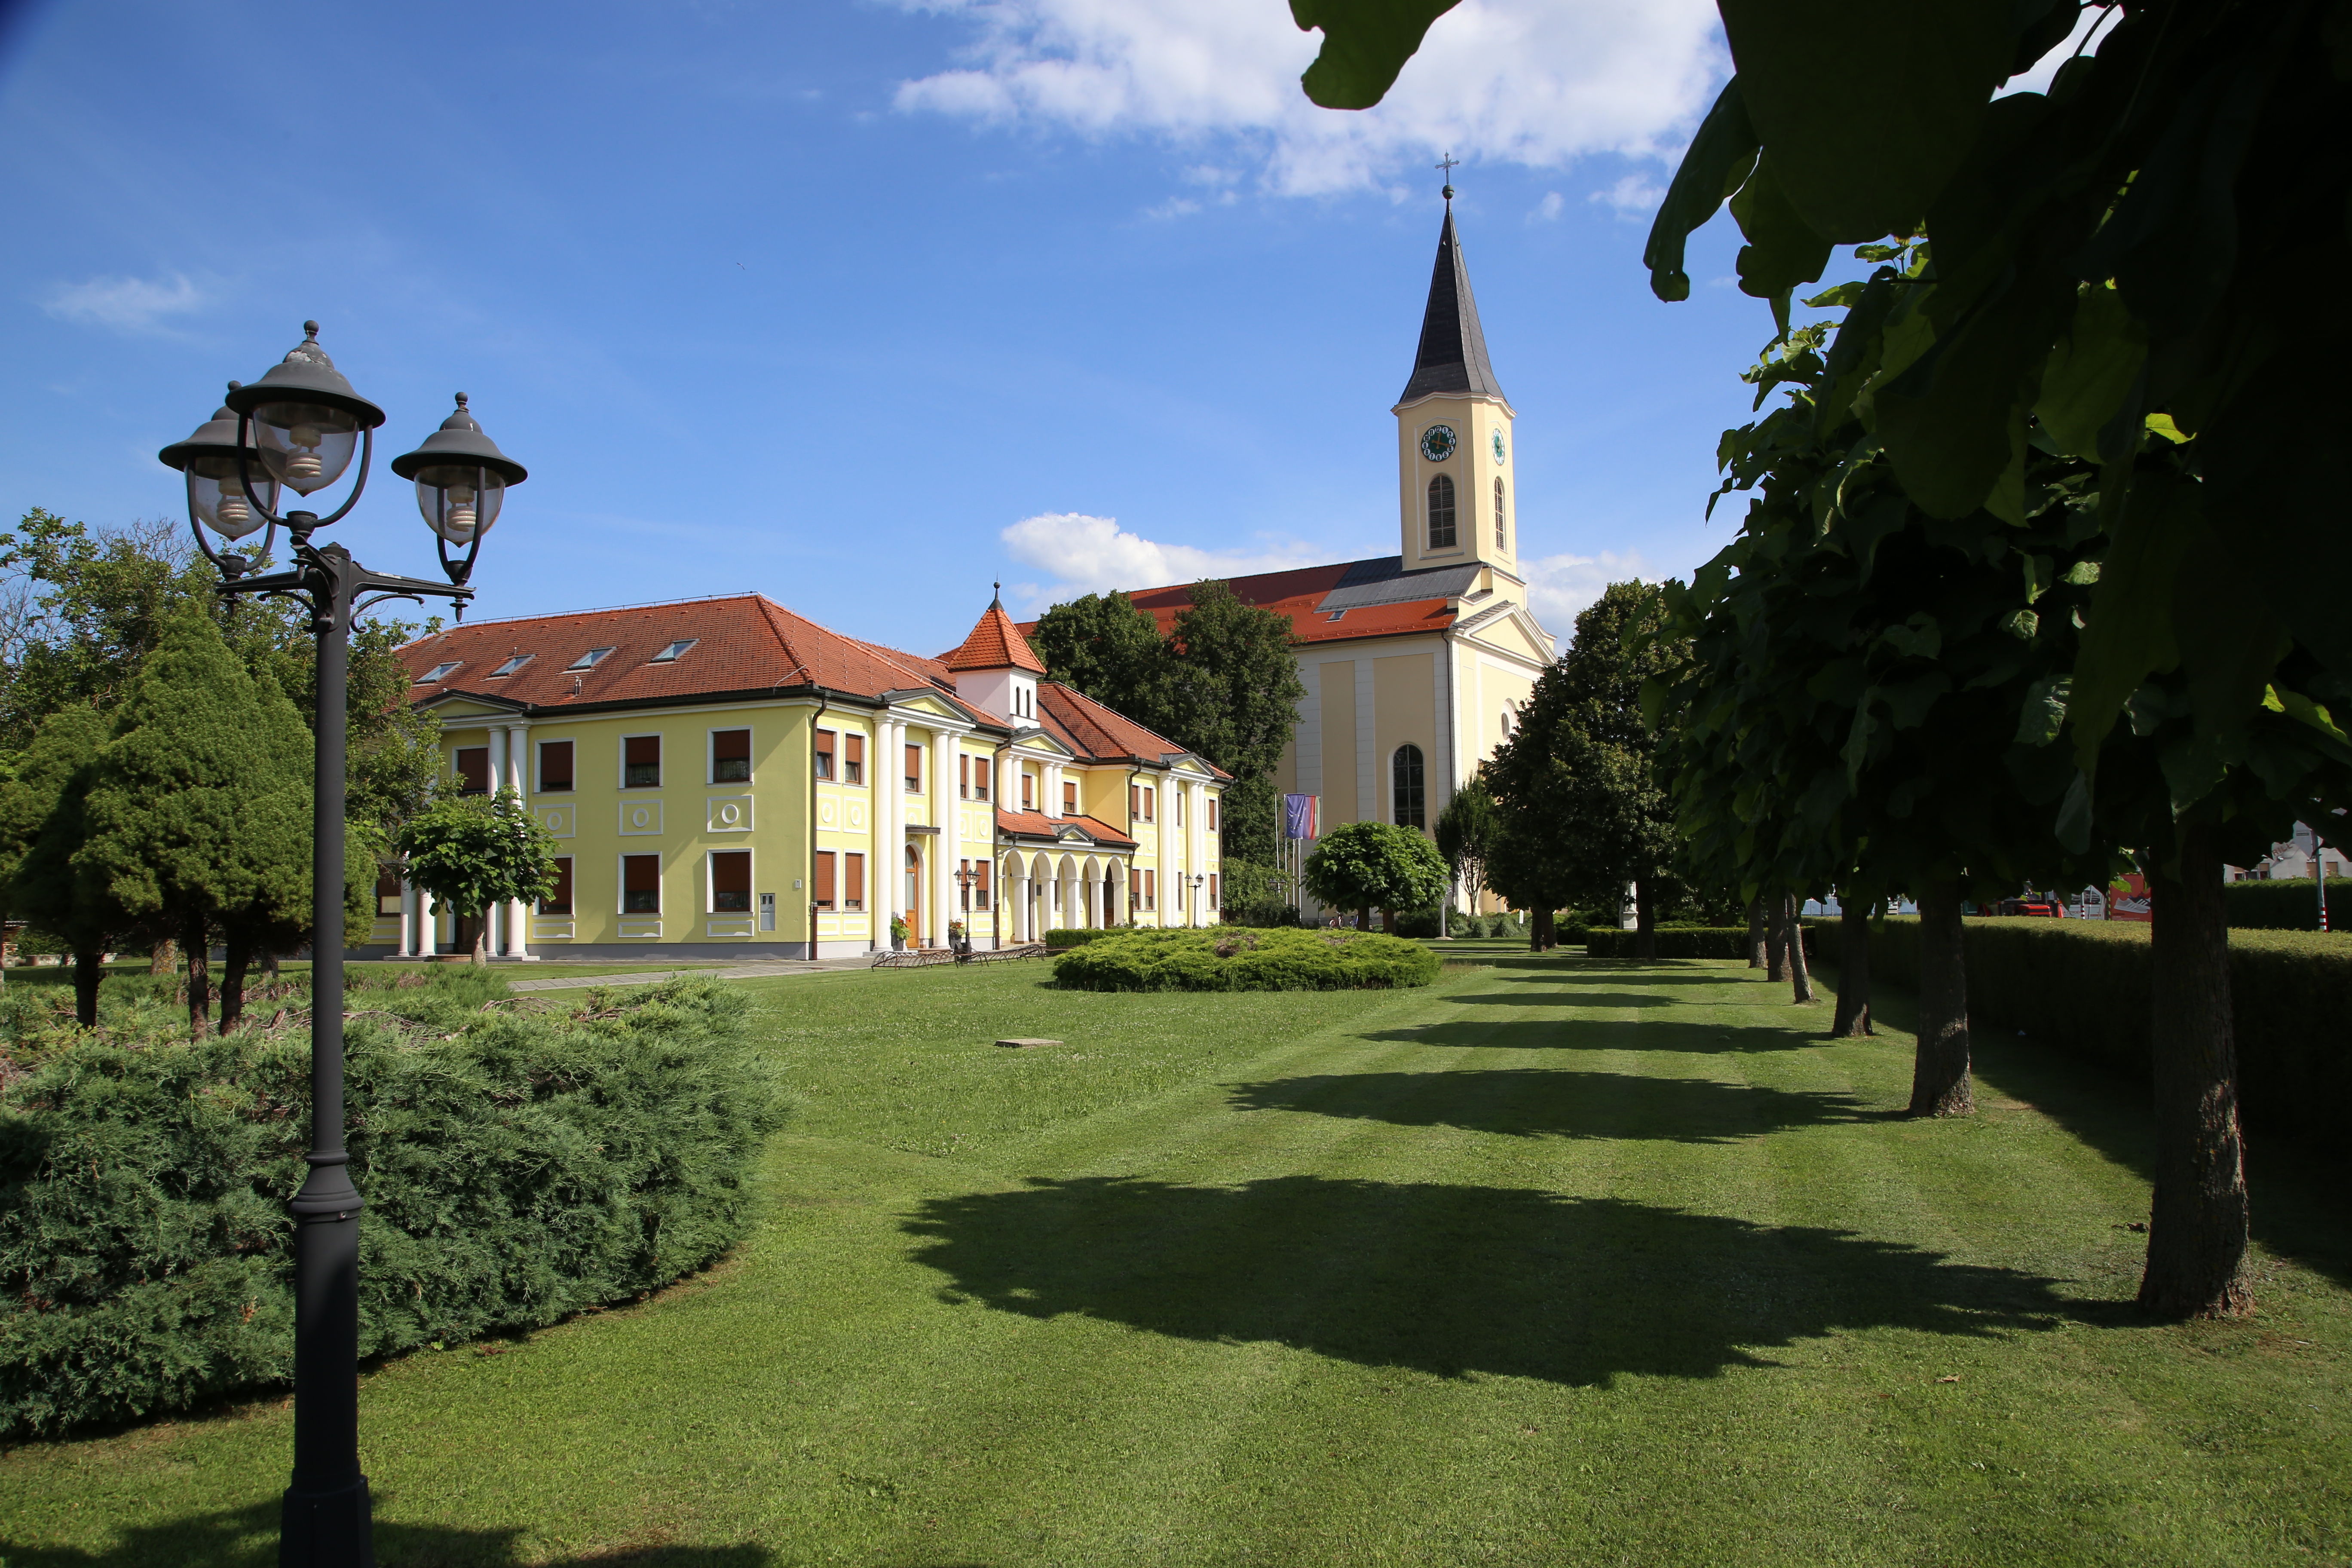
{"x":1452,"y":353}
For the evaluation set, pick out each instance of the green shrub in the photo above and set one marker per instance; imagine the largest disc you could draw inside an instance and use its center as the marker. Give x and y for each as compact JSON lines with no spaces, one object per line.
{"x":2292,"y":905}
{"x":1687,"y":941}
{"x":1073,"y":936}
{"x":2084,"y":988}
{"x":518,"y":1165}
{"x":1245,"y":959}
{"x":1266,"y":914}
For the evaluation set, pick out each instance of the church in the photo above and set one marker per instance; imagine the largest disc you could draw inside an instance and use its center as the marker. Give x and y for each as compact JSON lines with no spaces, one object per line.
{"x":1415,"y":664}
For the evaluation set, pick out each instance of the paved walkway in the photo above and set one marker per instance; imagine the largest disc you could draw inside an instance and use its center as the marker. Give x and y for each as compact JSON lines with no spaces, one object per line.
{"x":768,"y":969}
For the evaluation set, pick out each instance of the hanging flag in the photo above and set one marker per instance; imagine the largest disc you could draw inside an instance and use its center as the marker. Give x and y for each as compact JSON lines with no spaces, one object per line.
{"x":1299,"y":814}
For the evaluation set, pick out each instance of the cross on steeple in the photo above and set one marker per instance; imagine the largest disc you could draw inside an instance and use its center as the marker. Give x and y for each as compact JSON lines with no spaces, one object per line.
{"x":1449,"y":164}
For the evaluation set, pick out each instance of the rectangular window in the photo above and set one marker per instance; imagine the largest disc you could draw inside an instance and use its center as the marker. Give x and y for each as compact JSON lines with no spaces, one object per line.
{"x":555,"y":766}
{"x":852,"y":881}
{"x":1151,"y":889}
{"x":964,"y":776}
{"x":731,"y":757}
{"x":979,"y":884}
{"x":1212,"y":814}
{"x":731,"y":881}
{"x":1069,"y":797}
{"x":641,"y":884}
{"x":1151,"y":804}
{"x":913,"y":770}
{"x":387,"y":891}
{"x":1134,"y":890}
{"x":1213,"y":892}
{"x":641,"y":762}
{"x":473,"y":770}
{"x":1134,"y":802}
{"x":1179,"y":809}
{"x":982,"y":770}
{"x":825,"y":878}
{"x":853,"y":758}
{"x":559,"y":901}
{"x":1028,"y":790}
{"x":825,"y":739}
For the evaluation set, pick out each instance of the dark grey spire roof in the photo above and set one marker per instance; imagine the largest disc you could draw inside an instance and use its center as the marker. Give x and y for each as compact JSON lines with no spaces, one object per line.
{"x":1453,"y":355}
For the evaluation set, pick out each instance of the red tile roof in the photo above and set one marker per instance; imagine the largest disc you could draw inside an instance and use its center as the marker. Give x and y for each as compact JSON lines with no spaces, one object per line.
{"x":1099,"y":733}
{"x":1037,"y":824}
{"x":995,"y":642}
{"x":1299,"y":595}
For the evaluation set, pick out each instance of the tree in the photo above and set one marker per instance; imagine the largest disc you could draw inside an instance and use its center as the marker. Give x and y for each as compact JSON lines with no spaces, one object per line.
{"x":1525,"y":869}
{"x":42,"y":824}
{"x":1365,"y":866}
{"x":1103,"y":645}
{"x":198,"y":813}
{"x":1465,"y":833}
{"x":476,"y":852}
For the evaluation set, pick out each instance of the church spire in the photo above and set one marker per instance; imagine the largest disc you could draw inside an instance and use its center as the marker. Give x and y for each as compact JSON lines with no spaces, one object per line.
{"x":1453,"y":354}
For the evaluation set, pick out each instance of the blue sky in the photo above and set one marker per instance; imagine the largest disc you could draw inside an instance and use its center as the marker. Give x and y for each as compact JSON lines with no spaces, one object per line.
{"x":834,"y":301}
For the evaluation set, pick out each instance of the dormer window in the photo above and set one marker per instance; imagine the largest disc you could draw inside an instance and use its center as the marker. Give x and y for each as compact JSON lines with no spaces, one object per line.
{"x":511,"y":666}
{"x":1334,"y":616}
{"x":674,"y":649}
{"x":591,"y":660}
{"x":439,"y":672}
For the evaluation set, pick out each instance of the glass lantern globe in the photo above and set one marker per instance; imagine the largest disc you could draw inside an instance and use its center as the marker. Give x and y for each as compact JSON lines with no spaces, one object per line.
{"x":461,"y":478}
{"x":305,"y":418}
{"x":217,"y":496}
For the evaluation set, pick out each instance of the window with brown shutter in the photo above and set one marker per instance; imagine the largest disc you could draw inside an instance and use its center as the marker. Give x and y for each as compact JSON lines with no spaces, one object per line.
{"x":1212,"y":814}
{"x":473,"y":770}
{"x":731,"y":757}
{"x":555,"y":766}
{"x":982,"y":769}
{"x":1151,"y":889}
{"x":559,"y":902}
{"x":641,"y":884}
{"x":825,"y":739}
{"x":1134,"y":802}
{"x":1069,"y":797}
{"x":979,"y":884}
{"x":853,"y":758}
{"x":730,"y":881}
{"x":641,"y":762}
{"x":1213,"y":892}
{"x":1028,"y":791}
{"x":1134,"y":890}
{"x":913,"y":770}
{"x":825,"y":878}
{"x":852,"y":881}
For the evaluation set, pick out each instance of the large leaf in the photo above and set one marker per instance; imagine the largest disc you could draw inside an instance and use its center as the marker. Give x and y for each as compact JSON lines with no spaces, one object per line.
{"x":1781,"y":250}
{"x":1868,"y":107}
{"x":1717,"y":164}
{"x":2091,"y":372}
{"x":1365,"y":45}
{"x":2128,"y":637}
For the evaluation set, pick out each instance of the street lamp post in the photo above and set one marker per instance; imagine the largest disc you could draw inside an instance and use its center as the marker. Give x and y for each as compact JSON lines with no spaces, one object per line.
{"x":1200,"y":880}
{"x":965,"y":876}
{"x":295,"y":429}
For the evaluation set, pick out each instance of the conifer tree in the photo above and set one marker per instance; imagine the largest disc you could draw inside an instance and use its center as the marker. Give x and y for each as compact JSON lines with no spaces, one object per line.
{"x":199,"y":808}
{"x":41,"y":825}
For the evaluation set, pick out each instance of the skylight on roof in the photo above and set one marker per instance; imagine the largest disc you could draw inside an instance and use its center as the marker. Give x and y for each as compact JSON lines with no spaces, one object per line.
{"x":591,"y":660}
{"x":439,"y":672}
{"x":674,"y":649}
{"x":517,"y":662}
{"x":1335,"y":615}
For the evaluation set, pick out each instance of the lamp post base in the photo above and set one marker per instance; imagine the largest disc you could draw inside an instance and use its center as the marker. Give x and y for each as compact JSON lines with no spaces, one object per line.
{"x":327,"y":1530}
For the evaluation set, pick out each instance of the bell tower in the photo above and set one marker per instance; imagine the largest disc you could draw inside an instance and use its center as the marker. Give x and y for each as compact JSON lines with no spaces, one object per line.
{"x":1456,"y":491}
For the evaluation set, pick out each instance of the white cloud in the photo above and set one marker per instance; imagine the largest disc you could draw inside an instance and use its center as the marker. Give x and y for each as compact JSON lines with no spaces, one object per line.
{"x":1536,"y":82}
{"x":1548,"y":209}
{"x":1635,"y":196}
{"x":1084,"y":554}
{"x":1561,"y":585}
{"x":125,"y":304}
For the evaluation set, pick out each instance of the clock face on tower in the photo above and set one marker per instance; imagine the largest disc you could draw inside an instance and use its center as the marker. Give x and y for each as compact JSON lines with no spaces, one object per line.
{"x":1498,"y":449}
{"x":1437,"y":442}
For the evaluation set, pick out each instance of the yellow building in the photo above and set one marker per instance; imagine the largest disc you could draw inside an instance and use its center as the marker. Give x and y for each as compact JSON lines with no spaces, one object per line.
{"x":729,"y":779}
{"x":1416,"y":664}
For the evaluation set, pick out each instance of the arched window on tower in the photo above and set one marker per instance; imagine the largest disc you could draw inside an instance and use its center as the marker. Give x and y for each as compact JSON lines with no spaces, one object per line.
{"x":1405,"y":793}
{"x":1441,"y":512}
{"x":1501,"y":539}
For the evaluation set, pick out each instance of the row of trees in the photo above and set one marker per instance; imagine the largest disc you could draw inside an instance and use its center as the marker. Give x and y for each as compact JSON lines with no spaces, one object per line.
{"x":2039,"y":572}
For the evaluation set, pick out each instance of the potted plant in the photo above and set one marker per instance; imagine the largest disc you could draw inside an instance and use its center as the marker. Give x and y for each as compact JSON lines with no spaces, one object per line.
{"x":897,"y":933}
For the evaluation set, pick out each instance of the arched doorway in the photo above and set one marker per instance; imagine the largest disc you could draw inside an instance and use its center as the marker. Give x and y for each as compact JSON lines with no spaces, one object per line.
{"x":914,"y":897}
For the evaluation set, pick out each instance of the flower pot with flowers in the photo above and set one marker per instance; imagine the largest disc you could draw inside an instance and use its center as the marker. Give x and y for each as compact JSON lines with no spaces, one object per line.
{"x":897,"y":933}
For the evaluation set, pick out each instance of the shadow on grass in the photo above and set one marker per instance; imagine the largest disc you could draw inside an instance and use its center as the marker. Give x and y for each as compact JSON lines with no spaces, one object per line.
{"x":247,"y":1538}
{"x":1539,"y":1102}
{"x":1591,"y":1035}
{"x":1454,"y":1279}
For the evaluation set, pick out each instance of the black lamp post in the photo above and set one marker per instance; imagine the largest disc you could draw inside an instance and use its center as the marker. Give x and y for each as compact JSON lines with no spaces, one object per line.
{"x":965,"y":876}
{"x":1199,"y":881}
{"x":295,"y":429}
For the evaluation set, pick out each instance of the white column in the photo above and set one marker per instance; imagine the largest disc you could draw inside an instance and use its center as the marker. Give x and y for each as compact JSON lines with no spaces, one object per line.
{"x":890,"y":809}
{"x":408,"y":913}
{"x":945,"y":894}
{"x":1051,"y":780}
{"x":1196,"y":831}
{"x":518,"y":780}
{"x":428,"y":925}
{"x":491,"y":946}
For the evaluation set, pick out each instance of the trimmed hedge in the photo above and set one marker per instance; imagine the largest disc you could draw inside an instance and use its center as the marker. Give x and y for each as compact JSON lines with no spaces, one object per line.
{"x":1073,"y":937}
{"x":2289,"y":905}
{"x":2084,"y":986}
{"x":519,"y":1164}
{"x":1245,"y":959}
{"x":1685,"y":942}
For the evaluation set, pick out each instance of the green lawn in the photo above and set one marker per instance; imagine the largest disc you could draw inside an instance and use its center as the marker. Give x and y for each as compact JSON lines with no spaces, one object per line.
{"x":1556,"y":1262}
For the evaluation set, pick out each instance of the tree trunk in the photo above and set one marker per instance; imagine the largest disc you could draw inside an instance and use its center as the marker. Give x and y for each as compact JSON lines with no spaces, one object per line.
{"x":1801,"y":979}
{"x":482,"y":940}
{"x":1852,"y":1021}
{"x":1939,"y":1072}
{"x":1776,"y":940}
{"x":163,"y":957}
{"x":235,"y":961}
{"x":200,"y":974}
{"x":89,"y":968}
{"x":1645,"y":922}
{"x":1445,"y":907}
{"x":2197,"y":1229}
{"x":1540,"y":932}
{"x":1758,"y":934}
{"x":1364,"y":918}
